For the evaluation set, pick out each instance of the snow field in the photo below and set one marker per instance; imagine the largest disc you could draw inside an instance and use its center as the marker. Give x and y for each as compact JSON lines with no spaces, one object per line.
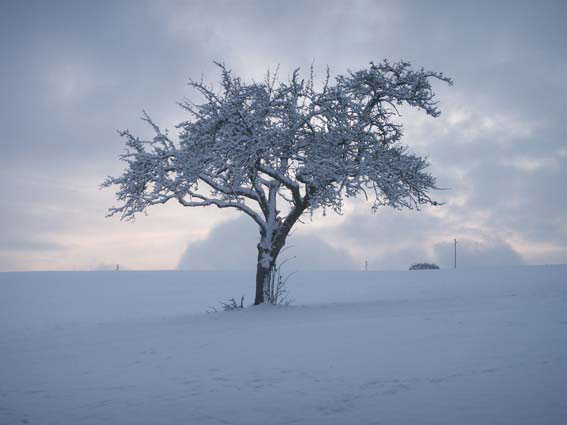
{"x":425,"y":347}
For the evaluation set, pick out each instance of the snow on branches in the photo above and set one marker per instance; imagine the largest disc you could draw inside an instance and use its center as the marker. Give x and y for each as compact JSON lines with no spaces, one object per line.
{"x":309,"y":148}
{"x":250,"y":146}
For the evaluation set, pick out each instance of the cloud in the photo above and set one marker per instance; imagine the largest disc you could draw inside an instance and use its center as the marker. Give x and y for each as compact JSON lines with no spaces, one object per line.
{"x":393,"y":239}
{"x":232,"y":246}
{"x":20,"y":244}
{"x":477,"y":254}
{"x":69,"y":83}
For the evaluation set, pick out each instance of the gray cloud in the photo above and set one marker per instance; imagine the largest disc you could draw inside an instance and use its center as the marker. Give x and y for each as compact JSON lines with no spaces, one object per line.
{"x":232,"y":246}
{"x":387,"y":225}
{"x":477,"y":254}
{"x":20,"y":244}
{"x":400,"y":258}
{"x":75,"y":72}
{"x":393,"y":239}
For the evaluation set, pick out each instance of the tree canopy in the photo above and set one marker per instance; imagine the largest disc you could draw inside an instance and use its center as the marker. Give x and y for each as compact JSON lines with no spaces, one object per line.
{"x":272,"y":147}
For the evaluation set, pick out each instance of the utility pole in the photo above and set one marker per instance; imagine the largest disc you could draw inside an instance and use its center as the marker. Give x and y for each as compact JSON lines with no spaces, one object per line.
{"x":455,"y":257}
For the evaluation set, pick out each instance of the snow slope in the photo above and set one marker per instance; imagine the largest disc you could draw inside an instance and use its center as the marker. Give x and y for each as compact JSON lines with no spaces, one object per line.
{"x":426,"y":347}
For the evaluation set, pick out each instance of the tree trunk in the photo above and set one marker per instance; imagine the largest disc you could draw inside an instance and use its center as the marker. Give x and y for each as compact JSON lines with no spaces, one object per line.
{"x":262,"y":274}
{"x":271,"y":243}
{"x":264,"y":267}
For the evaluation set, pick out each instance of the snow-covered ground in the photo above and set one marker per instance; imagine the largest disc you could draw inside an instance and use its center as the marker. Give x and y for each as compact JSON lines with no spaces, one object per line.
{"x":425,"y":347}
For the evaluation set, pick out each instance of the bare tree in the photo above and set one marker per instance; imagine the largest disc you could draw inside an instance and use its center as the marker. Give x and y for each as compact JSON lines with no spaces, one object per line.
{"x":276,"y":150}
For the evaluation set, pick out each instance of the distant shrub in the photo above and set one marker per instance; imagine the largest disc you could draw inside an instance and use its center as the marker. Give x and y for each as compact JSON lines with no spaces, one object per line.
{"x":424,"y":266}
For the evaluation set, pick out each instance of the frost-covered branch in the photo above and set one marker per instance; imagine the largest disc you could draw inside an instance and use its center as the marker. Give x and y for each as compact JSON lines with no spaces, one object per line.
{"x":249,"y":146}
{"x":339,"y":142}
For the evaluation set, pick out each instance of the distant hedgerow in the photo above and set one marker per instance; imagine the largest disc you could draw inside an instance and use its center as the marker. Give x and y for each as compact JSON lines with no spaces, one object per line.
{"x":424,"y":266}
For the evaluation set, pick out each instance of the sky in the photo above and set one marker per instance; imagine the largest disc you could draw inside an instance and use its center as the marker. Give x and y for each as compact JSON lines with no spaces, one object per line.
{"x":76,"y":72}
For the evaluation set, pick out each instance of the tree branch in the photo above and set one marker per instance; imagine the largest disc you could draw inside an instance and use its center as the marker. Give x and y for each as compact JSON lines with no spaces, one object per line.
{"x":283,"y":179}
{"x":221,"y":204}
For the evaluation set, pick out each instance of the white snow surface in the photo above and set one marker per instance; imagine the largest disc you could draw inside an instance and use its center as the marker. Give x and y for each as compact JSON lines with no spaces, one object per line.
{"x":485,"y":346}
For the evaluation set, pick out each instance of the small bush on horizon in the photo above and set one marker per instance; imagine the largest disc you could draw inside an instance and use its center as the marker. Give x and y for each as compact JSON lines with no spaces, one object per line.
{"x":424,"y":266}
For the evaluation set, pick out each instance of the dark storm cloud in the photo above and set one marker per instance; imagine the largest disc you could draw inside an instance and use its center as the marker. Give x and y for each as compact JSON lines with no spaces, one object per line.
{"x":75,"y":72}
{"x":232,"y":246}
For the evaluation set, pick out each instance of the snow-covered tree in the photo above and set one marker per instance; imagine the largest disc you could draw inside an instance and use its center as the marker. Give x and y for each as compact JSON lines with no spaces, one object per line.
{"x":277,"y":150}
